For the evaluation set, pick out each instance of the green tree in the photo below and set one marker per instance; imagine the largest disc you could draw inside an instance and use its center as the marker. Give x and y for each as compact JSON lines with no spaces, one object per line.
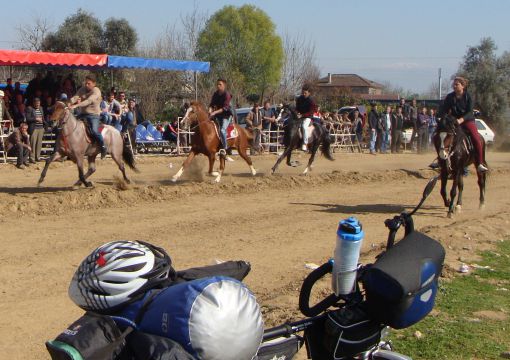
{"x":78,"y":33}
{"x":119,"y":37}
{"x":242,"y":46}
{"x":489,"y":82}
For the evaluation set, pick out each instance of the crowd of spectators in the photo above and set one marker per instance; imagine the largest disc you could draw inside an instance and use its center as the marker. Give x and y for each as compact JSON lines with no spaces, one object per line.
{"x":34,"y":107}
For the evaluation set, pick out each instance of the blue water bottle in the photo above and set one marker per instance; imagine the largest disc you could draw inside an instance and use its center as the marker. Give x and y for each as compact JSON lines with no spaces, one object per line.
{"x":348,"y":245}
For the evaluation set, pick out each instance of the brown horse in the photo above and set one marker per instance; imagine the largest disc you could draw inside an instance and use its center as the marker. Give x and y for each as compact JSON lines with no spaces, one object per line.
{"x":205,"y":140}
{"x":73,"y":142}
{"x":454,"y":155}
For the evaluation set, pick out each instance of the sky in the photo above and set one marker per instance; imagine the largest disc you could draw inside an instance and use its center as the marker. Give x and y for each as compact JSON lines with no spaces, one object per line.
{"x":400,"y":42}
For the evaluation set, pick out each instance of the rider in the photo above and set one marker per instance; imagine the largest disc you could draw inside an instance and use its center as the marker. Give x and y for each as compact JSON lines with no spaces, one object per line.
{"x":221,"y":112}
{"x":88,"y":99}
{"x":306,"y":106}
{"x":460,"y":105}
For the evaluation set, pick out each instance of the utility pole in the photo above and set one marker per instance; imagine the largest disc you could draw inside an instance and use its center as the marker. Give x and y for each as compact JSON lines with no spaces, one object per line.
{"x":440,"y":85}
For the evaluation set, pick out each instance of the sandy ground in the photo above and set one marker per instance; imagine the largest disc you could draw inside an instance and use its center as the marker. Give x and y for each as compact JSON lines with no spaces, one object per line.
{"x":278,"y":223}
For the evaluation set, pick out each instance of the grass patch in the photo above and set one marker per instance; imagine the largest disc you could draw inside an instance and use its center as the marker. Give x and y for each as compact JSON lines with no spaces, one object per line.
{"x":471,"y":318}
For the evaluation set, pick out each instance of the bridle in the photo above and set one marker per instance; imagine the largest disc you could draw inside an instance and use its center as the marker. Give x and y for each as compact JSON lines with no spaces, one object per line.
{"x":186,"y":120}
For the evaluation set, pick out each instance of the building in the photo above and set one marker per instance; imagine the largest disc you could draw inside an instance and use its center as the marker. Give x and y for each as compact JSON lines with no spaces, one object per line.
{"x":334,"y":85}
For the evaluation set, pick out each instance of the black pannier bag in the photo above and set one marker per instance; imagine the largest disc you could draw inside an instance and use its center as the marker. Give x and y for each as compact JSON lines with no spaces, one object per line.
{"x":342,"y":334}
{"x":350,"y":331}
{"x":279,"y":348}
{"x":92,"y":336}
{"x":143,"y":346}
{"x":401,"y":285}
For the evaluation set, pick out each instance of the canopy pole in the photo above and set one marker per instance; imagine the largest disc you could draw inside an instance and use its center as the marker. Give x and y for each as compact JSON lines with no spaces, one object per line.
{"x":196,"y":85}
{"x":111,"y":78}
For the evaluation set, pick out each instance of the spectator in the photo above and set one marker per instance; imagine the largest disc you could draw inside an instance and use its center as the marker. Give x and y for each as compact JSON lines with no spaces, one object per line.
{"x":130,"y":119}
{"x":269,"y":124}
{"x":9,"y":90}
{"x":423,"y":130}
{"x":35,"y":120}
{"x":254,"y":122}
{"x":357,"y":126}
{"x":104,"y":115}
{"x":397,"y":126}
{"x":123,"y":103}
{"x":33,"y":87}
{"x":386,"y":129}
{"x":18,"y":146}
{"x":17,"y":89}
{"x":373,"y":124}
{"x":413,"y":119}
{"x":305,"y":106}
{"x":4,"y":110}
{"x":48,"y":110}
{"x":114,"y":110}
{"x":432,"y":124}
{"x":18,"y":110}
{"x":69,"y":86}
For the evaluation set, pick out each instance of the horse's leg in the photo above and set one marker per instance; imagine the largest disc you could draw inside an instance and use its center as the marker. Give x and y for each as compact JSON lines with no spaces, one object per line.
{"x":458,"y":207}
{"x":242,"y":146}
{"x":81,"y":175}
{"x":222,"y":168}
{"x":212,"y":159}
{"x":482,"y":177}
{"x":444,"y":181}
{"x":118,"y":160}
{"x":185,"y":164}
{"x":280,"y":158}
{"x":91,"y":169}
{"x":55,"y":156}
{"x":453,"y":193}
{"x":313,"y":150}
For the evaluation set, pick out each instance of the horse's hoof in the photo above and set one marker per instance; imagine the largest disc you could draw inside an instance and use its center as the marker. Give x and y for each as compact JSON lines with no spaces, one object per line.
{"x":458,"y":209}
{"x":174,"y":180}
{"x":88,"y":184}
{"x":127,"y":181}
{"x":450,"y":215}
{"x":481,"y":207}
{"x":214,"y":173}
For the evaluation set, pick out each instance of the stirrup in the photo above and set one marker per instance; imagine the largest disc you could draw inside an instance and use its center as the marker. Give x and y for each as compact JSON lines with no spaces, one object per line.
{"x":222,"y":152}
{"x":481,"y":168}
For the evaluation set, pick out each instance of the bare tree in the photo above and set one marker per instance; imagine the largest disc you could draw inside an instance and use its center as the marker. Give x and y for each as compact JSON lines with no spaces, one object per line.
{"x":31,"y":35}
{"x":299,"y":65}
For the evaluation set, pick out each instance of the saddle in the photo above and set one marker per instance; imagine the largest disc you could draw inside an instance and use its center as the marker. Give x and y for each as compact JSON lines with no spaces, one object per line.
{"x":232,"y":132}
{"x":89,"y":134}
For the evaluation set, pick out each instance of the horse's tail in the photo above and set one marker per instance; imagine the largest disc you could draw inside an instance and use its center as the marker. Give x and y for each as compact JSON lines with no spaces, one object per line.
{"x":326,"y":144}
{"x":128,"y":157}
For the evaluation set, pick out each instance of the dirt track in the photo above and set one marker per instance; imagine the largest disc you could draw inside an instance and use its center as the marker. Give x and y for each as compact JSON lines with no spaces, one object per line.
{"x":278,"y":223}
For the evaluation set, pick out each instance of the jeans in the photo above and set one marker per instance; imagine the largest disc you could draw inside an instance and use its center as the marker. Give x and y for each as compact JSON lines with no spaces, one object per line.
{"x":20,"y":152}
{"x":256,"y":141}
{"x":223,"y":124}
{"x":105,"y":118}
{"x":385,"y":140}
{"x":93,"y":121}
{"x":373,"y":139}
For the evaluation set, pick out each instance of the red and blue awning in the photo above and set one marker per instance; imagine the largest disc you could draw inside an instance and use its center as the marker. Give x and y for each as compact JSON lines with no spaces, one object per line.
{"x":96,"y":61}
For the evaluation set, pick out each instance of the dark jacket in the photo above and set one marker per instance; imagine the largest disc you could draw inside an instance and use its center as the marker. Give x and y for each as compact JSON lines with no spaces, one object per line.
{"x":15,"y":138}
{"x":373,"y":120}
{"x":30,"y":118}
{"x":397,"y":122}
{"x":306,"y":106}
{"x":459,"y":108}
{"x":221,"y":101}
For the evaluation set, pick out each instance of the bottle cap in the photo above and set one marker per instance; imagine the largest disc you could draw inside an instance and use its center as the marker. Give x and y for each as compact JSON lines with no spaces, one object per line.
{"x":350,"y":229}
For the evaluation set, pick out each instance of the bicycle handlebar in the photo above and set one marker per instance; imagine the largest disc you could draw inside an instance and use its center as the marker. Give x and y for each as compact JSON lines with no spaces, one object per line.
{"x":306,"y":289}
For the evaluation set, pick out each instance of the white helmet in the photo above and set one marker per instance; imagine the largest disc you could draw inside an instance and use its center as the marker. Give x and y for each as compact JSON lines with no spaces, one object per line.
{"x":117,"y":273}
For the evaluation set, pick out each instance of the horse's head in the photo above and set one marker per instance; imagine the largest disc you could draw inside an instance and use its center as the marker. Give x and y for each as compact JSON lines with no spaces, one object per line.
{"x":195,"y":113}
{"x":287,"y":111}
{"x":446,"y":131}
{"x":60,"y":110}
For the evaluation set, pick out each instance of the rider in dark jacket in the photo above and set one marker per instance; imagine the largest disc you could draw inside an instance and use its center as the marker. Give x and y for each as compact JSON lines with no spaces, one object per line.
{"x":460,"y":105}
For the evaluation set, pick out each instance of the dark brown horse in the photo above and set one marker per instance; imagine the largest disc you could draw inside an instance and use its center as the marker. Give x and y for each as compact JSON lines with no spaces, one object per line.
{"x":293,"y":139}
{"x":454,"y":154}
{"x":205,"y":140}
{"x":73,"y":142}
